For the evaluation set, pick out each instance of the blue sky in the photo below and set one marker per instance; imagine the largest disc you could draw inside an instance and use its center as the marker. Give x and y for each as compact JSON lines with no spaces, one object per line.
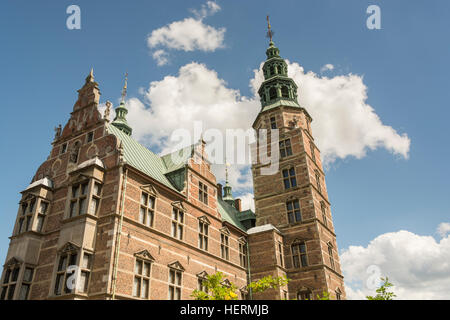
{"x":404,"y":67}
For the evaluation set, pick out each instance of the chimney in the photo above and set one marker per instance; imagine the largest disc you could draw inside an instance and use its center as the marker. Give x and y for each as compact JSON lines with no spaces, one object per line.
{"x":237,"y":205}
{"x":219,"y":191}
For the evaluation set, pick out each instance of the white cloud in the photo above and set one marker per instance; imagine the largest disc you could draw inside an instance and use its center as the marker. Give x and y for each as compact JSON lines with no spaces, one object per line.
{"x":443,"y":229}
{"x":161,"y":57}
{"x":187,"y":35}
{"x":418,"y":266}
{"x":248,"y":201}
{"x":343,"y":123}
{"x":207,"y":9}
{"x":327,"y":67}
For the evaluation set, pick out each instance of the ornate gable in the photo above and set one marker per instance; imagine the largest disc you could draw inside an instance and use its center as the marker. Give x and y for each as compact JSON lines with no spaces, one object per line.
{"x":179,"y":205}
{"x":144,"y":255}
{"x":12,"y":262}
{"x":149,"y":188}
{"x":176,"y":265}
{"x":69,"y":247}
{"x":225,"y":230}
{"x":242,"y":240}
{"x":204,"y":219}
{"x":202,"y":275}
{"x":78,"y":178}
{"x":226,"y":283}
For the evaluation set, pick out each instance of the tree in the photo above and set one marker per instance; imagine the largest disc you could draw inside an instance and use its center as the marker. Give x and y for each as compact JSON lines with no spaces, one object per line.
{"x":325,"y":296}
{"x":382,"y":291}
{"x":218,"y":289}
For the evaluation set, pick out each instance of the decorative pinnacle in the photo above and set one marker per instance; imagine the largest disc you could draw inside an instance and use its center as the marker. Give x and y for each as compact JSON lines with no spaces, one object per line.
{"x":90,"y":77}
{"x":269,"y":32}
{"x":227,"y":165}
{"x":124,"y":90}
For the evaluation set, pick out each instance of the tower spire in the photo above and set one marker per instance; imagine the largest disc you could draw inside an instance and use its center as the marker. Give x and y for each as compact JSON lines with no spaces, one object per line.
{"x":120,"y":121}
{"x":269,"y":28}
{"x":228,"y":195}
{"x":124,"y":89}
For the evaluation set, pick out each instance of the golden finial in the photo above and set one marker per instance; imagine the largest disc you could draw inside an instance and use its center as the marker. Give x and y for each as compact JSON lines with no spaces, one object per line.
{"x":269,"y":32}
{"x":124,"y":90}
{"x":227,"y":165}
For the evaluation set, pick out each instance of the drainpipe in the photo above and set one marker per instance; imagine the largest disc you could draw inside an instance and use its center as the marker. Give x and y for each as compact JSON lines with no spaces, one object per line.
{"x":249,"y":270}
{"x":119,"y":233}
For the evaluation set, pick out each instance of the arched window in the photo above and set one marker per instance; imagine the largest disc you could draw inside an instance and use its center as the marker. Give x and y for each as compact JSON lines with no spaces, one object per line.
{"x":272,"y":93}
{"x":284,"y":92}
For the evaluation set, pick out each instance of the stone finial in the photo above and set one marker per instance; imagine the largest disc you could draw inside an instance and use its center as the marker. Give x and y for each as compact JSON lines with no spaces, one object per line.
{"x":107,"y":110}
{"x":58,"y":130}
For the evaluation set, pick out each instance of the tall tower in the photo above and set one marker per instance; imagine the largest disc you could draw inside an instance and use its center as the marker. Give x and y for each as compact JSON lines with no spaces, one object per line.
{"x":294,"y":233}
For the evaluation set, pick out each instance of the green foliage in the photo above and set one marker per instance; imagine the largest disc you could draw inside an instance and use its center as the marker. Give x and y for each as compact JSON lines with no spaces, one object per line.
{"x":325,"y":296}
{"x":217,"y":289}
{"x":268,"y":282}
{"x":382,"y":291}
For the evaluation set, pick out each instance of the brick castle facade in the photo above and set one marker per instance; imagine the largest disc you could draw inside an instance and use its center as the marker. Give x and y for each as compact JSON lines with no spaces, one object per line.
{"x":129,"y":224}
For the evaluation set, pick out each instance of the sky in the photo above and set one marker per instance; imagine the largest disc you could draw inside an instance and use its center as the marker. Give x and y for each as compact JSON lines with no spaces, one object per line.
{"x":378,"y":97}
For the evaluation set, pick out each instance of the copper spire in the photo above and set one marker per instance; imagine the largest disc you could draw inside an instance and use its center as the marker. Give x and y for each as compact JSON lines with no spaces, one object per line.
{"x":124,"y":90}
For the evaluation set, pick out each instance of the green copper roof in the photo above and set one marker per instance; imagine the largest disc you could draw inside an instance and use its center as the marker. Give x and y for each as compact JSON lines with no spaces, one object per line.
{"x":229,"y":214}
{"x":279,"y":103}
{"x":141,"y":158}
{"x":120,"y":121}
{"x":164,"y":170}
{"x":177,"y":160}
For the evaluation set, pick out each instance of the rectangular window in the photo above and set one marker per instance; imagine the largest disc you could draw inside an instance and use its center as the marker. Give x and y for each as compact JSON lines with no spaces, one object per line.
{"x":85,"y":272}
{"x":273,"y":123}
{"x":63,"y":273}
{"x":243,"y":254}
{"x":90,"y":136}
{"x":330,"y":254}
{"x":203,"y":193}
{"x":324,"y":214}
{"x":318,"y":181}
{"x":95,"y":199}
{"x":280,"y":254}
{"x":147,"y":209}
{"x":41,"y":215}
{"x":200,"y":285}
{"x":79,"y":199}
{"x":26,"y":283}
{"x":9,"y":284}
{"x":299,"y":255}
{"x":224,"y":249}
{"x":64,"y":148}
{"x":285,"y":148}
{"x":177,"y":223}
{"x":289,"y":178}
{"x":141,"y":282}
{"x":313,"y":151}
{"x":175,"y":280}
{"x":203,"y":235}
{"x":293,"y":211}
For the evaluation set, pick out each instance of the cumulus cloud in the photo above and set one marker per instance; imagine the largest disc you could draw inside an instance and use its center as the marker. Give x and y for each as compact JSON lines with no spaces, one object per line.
{"x":419,"y":266}
{"x":327,"y":67}
{"x":443,"y":229}
{"x":187,"y":35}
{"x":248,"y":201}
{"x":344,"y":124}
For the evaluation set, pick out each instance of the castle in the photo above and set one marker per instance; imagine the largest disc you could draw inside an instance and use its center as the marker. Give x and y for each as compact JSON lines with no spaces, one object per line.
{"x":126,"y":223}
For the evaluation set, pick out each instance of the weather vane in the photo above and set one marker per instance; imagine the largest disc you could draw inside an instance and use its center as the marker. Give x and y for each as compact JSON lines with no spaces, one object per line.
{"x":270,"y":32}
{"x":124,"y":90}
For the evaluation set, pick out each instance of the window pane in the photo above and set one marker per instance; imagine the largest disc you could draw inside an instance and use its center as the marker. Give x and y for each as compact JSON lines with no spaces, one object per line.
{"x":286,"y":184}
{"x":172,"y":276}
{"x":7,"y":274}
{"x":32,"y":203}
{"x":75,"y":191}
{"x":73,"y":259}
{"x":142,"y":215}
{"x":151,"y":202}
{"x":146,"y":269}
{"x":181,"y":216}
{"x":62,"y":263}
{"x":137,"y":287}
{"x":94,"y":206}
{"x":174,"y":229}
{"x":296,"y":204}
{"x":289,"y":205}
{"x":149,"y":218}
{"x":302,"y":248}
{"x":180,"y":232}
{"x":40,"y":223}
{"x":84,"y":281}
{"x":177,"y":293}
{"x":23,"y":295}
{"x":291,"y":217}
{"x":15,"y":274}
{"x":144,"y":199}
{"x":11,"y":291}
{"x":58,"y":284}
{"x":298,"y":216}
{"x":138,"y":267}
{"x":174,"y":214}
{"x":73,"y":205}
{"x":82,"y":206}
{"x":144,"y":293}
{"x":84,"y":187}
{"x":97,"y":189}
{"x":86,"y":261}
{"x":171,"y":293}
{"x":293,"y":182}
{"x":304,"y":261}
{"x":28,"y":275}
{"x":43,"y":207}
